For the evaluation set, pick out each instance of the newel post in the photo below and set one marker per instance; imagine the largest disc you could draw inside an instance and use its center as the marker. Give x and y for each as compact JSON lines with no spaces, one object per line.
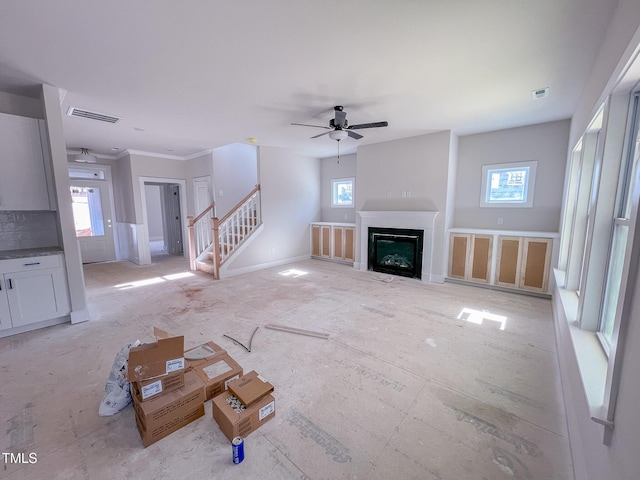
{"x":215,"y":225}
{"x":192,"y":242}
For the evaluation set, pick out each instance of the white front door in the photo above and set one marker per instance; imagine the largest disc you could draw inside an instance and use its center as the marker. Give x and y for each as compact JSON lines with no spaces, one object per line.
{"x":94,"y":226}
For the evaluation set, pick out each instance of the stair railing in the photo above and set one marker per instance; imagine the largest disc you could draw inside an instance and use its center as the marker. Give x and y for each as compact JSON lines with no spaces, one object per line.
{"x":200,"y":233}
{"x":232,"y":229}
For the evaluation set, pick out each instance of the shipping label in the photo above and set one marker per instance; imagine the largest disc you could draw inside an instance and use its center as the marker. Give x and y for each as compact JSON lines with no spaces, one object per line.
{"x":151,"y":389}
{"x":267,"y":410}
{"x":175,"y":365}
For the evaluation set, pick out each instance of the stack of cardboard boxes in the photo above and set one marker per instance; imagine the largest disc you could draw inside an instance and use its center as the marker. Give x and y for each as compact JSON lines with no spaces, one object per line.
{"x":169,"y":387}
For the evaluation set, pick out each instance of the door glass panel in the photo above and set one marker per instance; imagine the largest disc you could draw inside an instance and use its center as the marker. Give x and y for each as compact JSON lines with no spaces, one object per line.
{"x":87,"y":211}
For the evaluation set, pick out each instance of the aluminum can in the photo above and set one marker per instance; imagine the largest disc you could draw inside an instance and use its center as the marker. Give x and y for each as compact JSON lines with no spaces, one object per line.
{"x":237,"y":444}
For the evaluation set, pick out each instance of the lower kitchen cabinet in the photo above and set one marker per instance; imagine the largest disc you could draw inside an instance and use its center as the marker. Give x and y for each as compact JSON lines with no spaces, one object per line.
{"x":470,"y":257}
{"x":32,"y":290}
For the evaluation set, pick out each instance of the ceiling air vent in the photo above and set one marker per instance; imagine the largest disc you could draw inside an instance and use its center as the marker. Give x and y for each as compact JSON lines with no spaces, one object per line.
{"x":101,"y":117}
{"x":540,"y":93}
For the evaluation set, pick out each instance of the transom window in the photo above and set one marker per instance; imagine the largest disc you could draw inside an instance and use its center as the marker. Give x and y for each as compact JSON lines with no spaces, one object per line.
{"x":508,"y":184}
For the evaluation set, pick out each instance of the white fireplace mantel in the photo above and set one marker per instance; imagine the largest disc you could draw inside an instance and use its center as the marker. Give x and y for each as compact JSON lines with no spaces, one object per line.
{"x":417,"y":220}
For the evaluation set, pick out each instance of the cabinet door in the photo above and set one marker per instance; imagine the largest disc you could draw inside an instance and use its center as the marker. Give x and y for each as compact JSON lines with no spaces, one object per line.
{"x":36,"y":295}
{"x":23,"y":184}
{"x":481,"y":247}
{"x":458,"y":255}
{"x":350,"y":244}
{"x":325,"y":240}
{"x":508,"y":265}
{"x":338,"y":243}
{"x":315,"y":240}
{"x":5,"y":315}
{"x":536,"y":260}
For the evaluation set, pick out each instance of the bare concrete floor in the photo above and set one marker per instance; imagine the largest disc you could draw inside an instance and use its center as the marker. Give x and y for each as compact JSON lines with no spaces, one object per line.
{"x":405,"y":388}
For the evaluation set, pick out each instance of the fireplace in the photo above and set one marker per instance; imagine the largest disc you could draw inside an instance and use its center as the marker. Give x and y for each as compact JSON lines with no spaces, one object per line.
{"x":397,"y":251}
{"x":403,"y":221}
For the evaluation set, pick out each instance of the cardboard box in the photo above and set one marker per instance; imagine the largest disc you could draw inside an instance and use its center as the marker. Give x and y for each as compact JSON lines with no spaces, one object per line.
{"x":151,"y":387}
{"x":250,"y":388}
{"x":217,"y":373}
{"x":233,"y":423}
{"x":215,"y":351}
{"x":170,"y":408}
{"x":154,"y":359}
{"x":151,"y":435}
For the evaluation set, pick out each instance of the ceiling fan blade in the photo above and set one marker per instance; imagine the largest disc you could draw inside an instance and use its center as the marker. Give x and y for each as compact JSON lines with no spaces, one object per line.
{"x":368,"y":125}
{"x":306,"y":125}
{"x":321,"y":134}
{"x":341,"y":118}
{"x":354,"y":135}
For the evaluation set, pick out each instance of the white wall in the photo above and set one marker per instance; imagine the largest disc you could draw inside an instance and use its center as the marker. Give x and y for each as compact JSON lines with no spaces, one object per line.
{"x":235,"y":174}
{"x":417,"y":165}
{"x":546,"y":143}
{"x":592,"y":459}
{"x":333,"y":169}
{"x":290,"y":192}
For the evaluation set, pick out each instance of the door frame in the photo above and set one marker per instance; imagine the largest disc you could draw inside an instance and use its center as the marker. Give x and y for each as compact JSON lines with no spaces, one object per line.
{"x":143,"y":239}
{"x":108,"y":179}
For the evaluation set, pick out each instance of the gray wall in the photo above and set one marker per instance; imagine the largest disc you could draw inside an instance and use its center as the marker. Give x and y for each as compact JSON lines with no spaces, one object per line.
{"x":332,"y":169}
{"x":420,"y":166}
{"x":290,"y":192}
{"x":235,"y":174}
{"x":546,"y":143}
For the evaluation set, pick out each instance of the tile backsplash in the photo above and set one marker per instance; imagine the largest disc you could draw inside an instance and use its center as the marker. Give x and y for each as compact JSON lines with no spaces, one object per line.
{"x":20,"y":230}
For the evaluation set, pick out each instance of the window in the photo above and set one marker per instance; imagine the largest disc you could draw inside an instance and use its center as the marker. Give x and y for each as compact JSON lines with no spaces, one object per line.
{"x":508,"y":184}
{"x":342,"y":192}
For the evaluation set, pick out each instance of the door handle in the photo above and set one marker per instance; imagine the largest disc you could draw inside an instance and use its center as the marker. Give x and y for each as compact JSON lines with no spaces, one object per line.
{"x":10,"y":284}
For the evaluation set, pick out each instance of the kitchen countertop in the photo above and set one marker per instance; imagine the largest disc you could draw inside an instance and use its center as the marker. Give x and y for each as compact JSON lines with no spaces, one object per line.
{"x":29,"y":252}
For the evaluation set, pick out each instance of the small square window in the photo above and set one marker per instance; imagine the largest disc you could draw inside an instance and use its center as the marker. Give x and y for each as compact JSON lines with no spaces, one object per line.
{"x":342,"y":192}
{"x":508,"y":184}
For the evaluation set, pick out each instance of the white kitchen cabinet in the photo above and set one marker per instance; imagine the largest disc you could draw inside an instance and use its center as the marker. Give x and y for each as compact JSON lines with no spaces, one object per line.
{"x":23,"y":182}
{"x":333,"y":241}
{"x":34,"y":289}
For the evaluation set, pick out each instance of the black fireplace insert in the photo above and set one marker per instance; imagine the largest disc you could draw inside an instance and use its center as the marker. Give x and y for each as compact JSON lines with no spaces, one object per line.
{"x":397,"y":251}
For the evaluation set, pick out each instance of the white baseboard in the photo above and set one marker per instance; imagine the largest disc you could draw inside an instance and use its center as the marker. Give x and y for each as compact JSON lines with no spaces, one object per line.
{"x":262,"y":266}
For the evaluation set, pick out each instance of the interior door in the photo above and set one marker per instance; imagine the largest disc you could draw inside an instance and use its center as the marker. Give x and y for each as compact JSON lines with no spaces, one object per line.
{"x":172,"y":224}
{"x":92,"y":215}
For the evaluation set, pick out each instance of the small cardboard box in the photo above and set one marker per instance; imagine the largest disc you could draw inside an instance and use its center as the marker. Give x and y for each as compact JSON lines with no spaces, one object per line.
{"x":154,"y":359}
{"x":151,"y":387}
{"x":250,"y":388}
{"x":217,"y":373}
{"x":166,"y":409}
{"x":151,"y":435}
{"x":234,"y":424}
{"x":213,"y":350}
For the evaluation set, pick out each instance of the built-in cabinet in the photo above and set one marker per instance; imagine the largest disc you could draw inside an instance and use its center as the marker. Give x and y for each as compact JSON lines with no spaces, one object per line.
{"x":518,"y":260}
{"x":333,"y":241}
{"x":32,"y":290}
{"x":24,"y":183}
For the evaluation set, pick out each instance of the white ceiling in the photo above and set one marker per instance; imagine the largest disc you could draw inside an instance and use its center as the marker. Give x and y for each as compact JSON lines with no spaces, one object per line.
{"x":198,"y":74}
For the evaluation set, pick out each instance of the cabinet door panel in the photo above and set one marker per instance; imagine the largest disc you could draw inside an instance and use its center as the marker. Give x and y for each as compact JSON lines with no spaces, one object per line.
{"x":315,"y":240}
{"x":536,"y":258}
{"x":5,"y":315}
{"x":338,"y":234}
{"x":481,"y":258}
{"x":458,"y":258}
{"x":508,"y":261}
{"x":325,"y":243}
{"x":349,"y":243}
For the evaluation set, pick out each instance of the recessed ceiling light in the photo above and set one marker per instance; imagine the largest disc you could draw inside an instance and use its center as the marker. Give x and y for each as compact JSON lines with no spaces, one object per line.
{"x":115,"y":148}
{"x":252,"y":140}
{"x":139,"y":129}
{"x":170,"y":150}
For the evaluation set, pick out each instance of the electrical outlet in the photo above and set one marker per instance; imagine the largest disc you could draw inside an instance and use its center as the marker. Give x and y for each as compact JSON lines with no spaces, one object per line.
{"x":500,"y":220}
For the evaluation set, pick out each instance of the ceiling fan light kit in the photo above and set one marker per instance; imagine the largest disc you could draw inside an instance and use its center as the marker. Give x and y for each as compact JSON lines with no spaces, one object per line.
{"x":85,"y":157}
{"x":339,"y":128}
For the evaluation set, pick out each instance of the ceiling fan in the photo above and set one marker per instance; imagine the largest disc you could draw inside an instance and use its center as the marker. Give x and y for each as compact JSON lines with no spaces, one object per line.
{"x":339,"y":128}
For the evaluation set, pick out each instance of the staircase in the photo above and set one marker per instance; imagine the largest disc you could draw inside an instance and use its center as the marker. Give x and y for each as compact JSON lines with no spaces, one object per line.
{"x":210,"y":246}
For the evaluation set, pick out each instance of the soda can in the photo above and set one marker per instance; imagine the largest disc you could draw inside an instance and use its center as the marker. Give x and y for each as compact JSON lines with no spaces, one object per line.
{"x":237,"y":444}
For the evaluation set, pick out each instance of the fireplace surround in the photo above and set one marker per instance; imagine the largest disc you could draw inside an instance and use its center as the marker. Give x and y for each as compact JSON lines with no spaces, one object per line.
{"x":410,"y":220}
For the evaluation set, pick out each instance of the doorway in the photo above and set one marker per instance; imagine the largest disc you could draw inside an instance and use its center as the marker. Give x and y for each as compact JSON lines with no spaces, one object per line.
{"x":163,"y":209}
{"x":91,"y":204}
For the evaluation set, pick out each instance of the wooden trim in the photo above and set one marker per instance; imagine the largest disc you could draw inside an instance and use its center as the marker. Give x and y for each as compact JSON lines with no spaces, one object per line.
{"x":193,"y":221}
